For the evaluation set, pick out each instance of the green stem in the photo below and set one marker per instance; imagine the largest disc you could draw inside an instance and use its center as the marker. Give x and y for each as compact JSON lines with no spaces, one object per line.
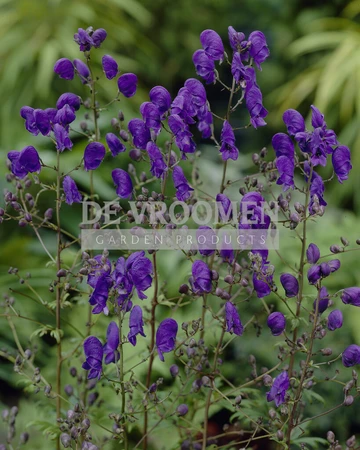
{"x":122,"y":387}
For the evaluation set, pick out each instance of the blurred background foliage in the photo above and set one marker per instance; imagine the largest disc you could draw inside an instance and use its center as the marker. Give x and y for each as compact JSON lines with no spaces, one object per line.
{"x":315,"y":58}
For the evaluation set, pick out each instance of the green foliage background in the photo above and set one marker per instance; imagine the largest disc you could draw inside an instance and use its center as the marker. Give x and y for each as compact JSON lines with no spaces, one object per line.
{"x":315,"y":58}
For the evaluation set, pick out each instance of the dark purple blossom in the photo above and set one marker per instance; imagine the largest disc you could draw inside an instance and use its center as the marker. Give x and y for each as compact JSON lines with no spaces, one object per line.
{"x":294,"y":122}
{"x":317,"y":118}
{"x":127,"y":84}
{"x":64,"y":68}
{"x":233,"y":322}
{"x":72,"y":194}
{"x":27,"y":113}
{"x":335,"y":320}
{"x":110,"y":349}
{"x":290,"y":284}
{"x":158,"y":165}
{"x":341,"y":161}
{"x":283,"y":145}
{"x":183,"y":189}
{"x":97,"y":270}
{"x":24,"y":162}
{"x":253,"y":99}
{"x":201,"y":278}
{"x":237,"y":68}
{"x":110,"y":66}
{"x":62,"y":138}
{"x":235,"y":38}
{"x":323,"y":301}
{"x":278,"y":390}
{"x":122,"y":182}
{"x":139,"y":270}
{"x":114,"y":144}
{"x":224,"y":207}
{"x":205,"y":121}
{"x":166,"y":337}
{"x":212,"y":45}
{"x":93,"y":350}
{"x":259,"y":50}
{"x":182,"y":134}
{"x":83,"y":39}
{"x":204,"y":237}
{"x":65,"y":115}
{"x":182,"y":409}
{"x":351,"y":296}
{"x":204,"y":66}
{"x":313,"y":254}
{"x":228,"y":149}
{"x":285,"y":167}
{"x":151,"y":116}
{"x":277,"y":323}
{"x":161,"y":98}
{"x":140,"y":133}
{"x":93,"y":155}
{"x":351,"y":356}
{"x":82,"y":69}
{"x":100,"y":295}
{"x":136,"y":324}
{"x":314,"y":274}
{"x":70,"y":99}
{"x":196,"y":91}
{"x":262,"y":283}
{"x":226,"y":250}
{"x":98,"y":37}
{"x":42,"y":121}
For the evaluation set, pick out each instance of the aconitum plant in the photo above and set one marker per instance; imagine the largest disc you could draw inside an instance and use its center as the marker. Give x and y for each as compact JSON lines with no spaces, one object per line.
{"x":161,"y":371}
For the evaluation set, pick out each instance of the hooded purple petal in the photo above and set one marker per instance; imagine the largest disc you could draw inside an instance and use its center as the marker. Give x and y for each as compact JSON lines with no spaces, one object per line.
{"x":166,"y":337}
{"x":341,"y":161}
{"x":313,"y":254}
{"x":136,"y":324}
{"x":122,"y":182}
{"x":161,"y":98}
{"x":183,"y":189}
{"x":110,"y":67}
{"x":72,"y":194}
{"x":114,"y":144}
{"x":82,"y":69}
{"x":335,"y":320}
{"x":212,"y":45}
{"x":258,"y":49}
{"x":290,"y":284}
{"x":64,"y":68}
{"x":93,"y":155}
{"x":351,"y":296}
{"x":233,"y":322}
{"x":277,"y":323}
{"x":70,"y":99}
{"x":294,"y":121}
{"x":204,"y":66}
{"x":127,"y":84}
{"x":351,"y":356}
{"x":140,"y":133}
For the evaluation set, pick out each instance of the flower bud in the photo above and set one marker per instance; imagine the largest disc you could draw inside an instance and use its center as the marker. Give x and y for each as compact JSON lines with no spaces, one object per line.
{"x":65,"y":439}
{"x":182,"y":409}
{"x":174,"y":370}
{"x":24,"y":437}
{"x":61,"y":273}
{"x":326,"y":351}
{"x":238,"y":400}
{"x":351,"y":442}
{"x":48,"y":214}
{"x":330,"y":436}
{"x":344,"y":241}
{"x":349,"y":400}
{"x":184,"y":289}
{"x":280,"y":435}
{"x":69,"y":390}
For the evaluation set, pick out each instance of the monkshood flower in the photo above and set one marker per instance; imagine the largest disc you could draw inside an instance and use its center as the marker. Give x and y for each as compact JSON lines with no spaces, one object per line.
{"x":323,"y":301}
{"x":228,"y":149}
{"x":100,"y":295}
{"x":166,"y":337}
{"x":235,"y":38}
{"x":313,"y":253}
{"x":290,"y":284}
{"x":351,"y":296}
{"x":65,"y":69}
{"x":27,"y":113}
{"x":253,"y":100}
{"x":284,"y":150}
{"x":161,"y":98}
{"x":127,"y":84}
{"x":205,"y":122}
{"x":65,"y":116}
{"x":278,"y":390}
{"x":258,"y":49}
{"x":102,"y":267}
{"x":294,"y":121}
{"x":122,"y":182}
{"x":182,"y":409}
{"x":110,"y":66}
{"x":277,"y":323}
{"x":158,"y":165}
{"x":335,"y":320}
{"x":212,"y":45}
{"x":62,"y":138}
{"x":224,"y":207}
{"x":183,"y":189}
{"x":93,"y":350}
{"x":197,"y":92}
{"x":341,"y":161}
{"x":323,"y":270}
{"x":83,"y":39}
{"x":42,"y":121}
{"x":238,"y":70}
{"x":233,"y":322}
{"x":183,"y":106}
{"x":98,"y":37}
{"x":182,"y":134}
{"x":70,"y":99}
{"x":226,"y":250}
{"x":72,"y":194}
{"x":140,"y":133}
{"x":262,"y":282}
{"x":200,"y":280}
{"x":151,"y":116}
{"x":351,"y":356}
{"x":204,"y":66}
{"x":110,"y":349}
{"x":82,"y":70}
{"x":93,"y":155}
{"x":205,"y":236}
{"x":136,"y":324}
{"x":114,"y":144}
{"x":317,"y":189}
{"x":24,"y":162}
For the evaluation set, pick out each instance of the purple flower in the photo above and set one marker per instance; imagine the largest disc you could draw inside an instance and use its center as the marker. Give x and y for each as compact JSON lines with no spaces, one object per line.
{"x":285,"y":167}
{"x":82,"y":70}
{"x":42,"y":121}
{"x":182,"y":409}
{"x":205,"y":122}
{"x":201,"y":278}
{"x":197,"y":92}
{"x":258,"y":49}
{"x":62,"y":138}
{"x":70,"y":99}
{"x":65,"y":69}
{"x":98,"y":37}
{"x":351,"y":296}
{"x":122,"y":182}
{"x":253,"y":99}
{"x":83,"y":39}
{"x":183,"y":189}
{"x":65,"y":116}
{"x":277,"y":323}
{"x":182,"y":134}
{"x":97,"y":270}
{"x":166,"y":337}
{"x":317,"y":118}
{"x":93,"y":350}
{"x":24,"y":162}
{"x":290,"y":284}
{"x":351,"y":356}
{"x":151,"y":116}
{"x":100,"y":295}
{"x":140,"y":133}
{"x":341,"y":161}
{"x":283,"y":145}
{"x":294,"y":122}
{"x":158,"y":165}
{"x":205,"y":236}
{"x":136,"y":324}
{"x":314,"y":274}
{"x":226,"y":250}
{"x":235,"y":38}
{"x":212,"y":45}
{"x":110,"y":349}
{"x":313,"y":254}
{"x":323,"y":300}
{"x":27,"y":113}
{"x":183,"y":106}
{"x":228,"y":149}
{"x":110,"y":66}
{"x":233,"y":322}
{"x":127,"y":84}
{"x":335,"y":320}
{"x":237,"y":68}
{"x":93,"y":155}
{"x":161,"y":98}
{"x":278,"y":390}
{"x":114,"y":144}
{"x":72,"y":194}
{"x":262,"y":283}
{"x":204,"y":66}
{"x":225,"y":207}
